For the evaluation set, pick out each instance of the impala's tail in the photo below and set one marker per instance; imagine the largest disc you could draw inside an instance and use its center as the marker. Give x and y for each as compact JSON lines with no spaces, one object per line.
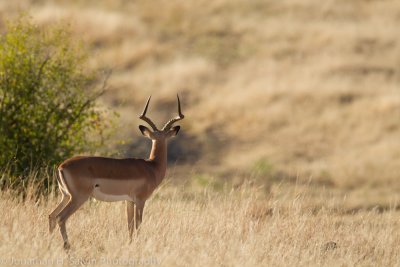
{"x":61,"y":182}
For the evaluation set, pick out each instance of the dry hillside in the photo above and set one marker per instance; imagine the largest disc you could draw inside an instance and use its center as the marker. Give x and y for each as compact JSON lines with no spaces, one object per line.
{"x":297,"y":92}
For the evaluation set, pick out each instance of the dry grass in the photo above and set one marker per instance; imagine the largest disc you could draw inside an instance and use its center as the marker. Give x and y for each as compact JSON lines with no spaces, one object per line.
{"x":183,"y":227}
{"x":302,"y":96}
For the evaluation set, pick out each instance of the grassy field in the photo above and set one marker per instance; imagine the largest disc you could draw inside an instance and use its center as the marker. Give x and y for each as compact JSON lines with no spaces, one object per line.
{"x":185,"y":227}
{"x":290,"y":140}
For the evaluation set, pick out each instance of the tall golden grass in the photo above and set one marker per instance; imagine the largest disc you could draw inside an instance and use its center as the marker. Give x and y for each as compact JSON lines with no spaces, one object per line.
{"x":188,"y":227}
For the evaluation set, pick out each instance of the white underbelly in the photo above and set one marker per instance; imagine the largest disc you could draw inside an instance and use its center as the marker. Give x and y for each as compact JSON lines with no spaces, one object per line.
{"x":97,"y":194}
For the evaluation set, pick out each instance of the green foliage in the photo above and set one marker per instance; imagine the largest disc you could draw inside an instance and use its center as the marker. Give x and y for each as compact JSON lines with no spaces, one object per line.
{"x":47,"y":99}
{"x":208,"y":181}
{"x":262,"y":167}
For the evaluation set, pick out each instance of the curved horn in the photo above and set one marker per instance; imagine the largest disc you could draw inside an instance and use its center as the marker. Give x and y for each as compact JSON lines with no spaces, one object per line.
{"x":143,"y":116}
{"x":168,"y":125}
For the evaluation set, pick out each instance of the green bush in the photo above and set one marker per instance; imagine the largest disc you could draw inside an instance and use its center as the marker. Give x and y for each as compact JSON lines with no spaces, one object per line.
{"x":47,"y":100}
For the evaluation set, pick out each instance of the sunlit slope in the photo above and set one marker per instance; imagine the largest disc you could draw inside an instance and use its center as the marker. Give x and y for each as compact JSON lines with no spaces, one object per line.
{"x":308,"y":89}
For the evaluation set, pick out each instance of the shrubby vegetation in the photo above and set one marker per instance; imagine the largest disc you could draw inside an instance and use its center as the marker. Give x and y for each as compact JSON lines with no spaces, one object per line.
{"x":47,"y":101}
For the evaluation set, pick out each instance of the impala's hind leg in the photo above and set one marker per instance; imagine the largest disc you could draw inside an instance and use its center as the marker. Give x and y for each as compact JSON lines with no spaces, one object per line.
{"x":65,"y":198}
{"x":53,"y":215}
{"x":72,"y":206}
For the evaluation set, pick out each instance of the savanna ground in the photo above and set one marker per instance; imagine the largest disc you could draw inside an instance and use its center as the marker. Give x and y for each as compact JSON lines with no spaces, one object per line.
{"x":290,"y":141}
{"x":204,"y":228}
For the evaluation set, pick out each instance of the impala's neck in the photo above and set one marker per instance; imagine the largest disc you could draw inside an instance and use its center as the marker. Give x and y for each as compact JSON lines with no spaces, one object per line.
{"x":158,"y":155}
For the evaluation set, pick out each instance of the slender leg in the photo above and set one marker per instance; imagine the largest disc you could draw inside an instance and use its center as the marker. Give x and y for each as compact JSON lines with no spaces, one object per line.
{"x":63,"y":216}
{"x":64,"y":201}
{"x":130,"y":212}
{"x":134,"y":211}
{"x":52,"y":216}
{"x":139,"y":207}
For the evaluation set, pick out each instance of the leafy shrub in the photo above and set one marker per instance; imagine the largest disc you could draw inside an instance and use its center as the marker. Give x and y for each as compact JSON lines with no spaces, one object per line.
{"x":47,"y":99}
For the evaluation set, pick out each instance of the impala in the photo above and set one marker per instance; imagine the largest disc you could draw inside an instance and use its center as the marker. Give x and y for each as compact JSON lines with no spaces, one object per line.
{"x":110,"y":179}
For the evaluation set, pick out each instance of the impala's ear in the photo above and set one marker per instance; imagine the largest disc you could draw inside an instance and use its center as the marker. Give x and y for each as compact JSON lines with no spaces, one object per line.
{"x":173,"y":131}
{"x":145,"y":131}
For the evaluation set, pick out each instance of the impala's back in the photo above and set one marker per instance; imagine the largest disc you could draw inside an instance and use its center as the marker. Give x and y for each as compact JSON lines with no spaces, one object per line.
{"x":108,"y":179}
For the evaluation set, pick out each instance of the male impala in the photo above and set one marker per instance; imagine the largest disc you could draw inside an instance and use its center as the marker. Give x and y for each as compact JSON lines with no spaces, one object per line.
{"x":109,"y":179}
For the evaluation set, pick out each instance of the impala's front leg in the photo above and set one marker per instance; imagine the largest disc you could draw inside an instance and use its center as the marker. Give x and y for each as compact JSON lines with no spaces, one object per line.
{"x":139,"y":207}
{"x":134,"y":213}
{"x":130,"y":213}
